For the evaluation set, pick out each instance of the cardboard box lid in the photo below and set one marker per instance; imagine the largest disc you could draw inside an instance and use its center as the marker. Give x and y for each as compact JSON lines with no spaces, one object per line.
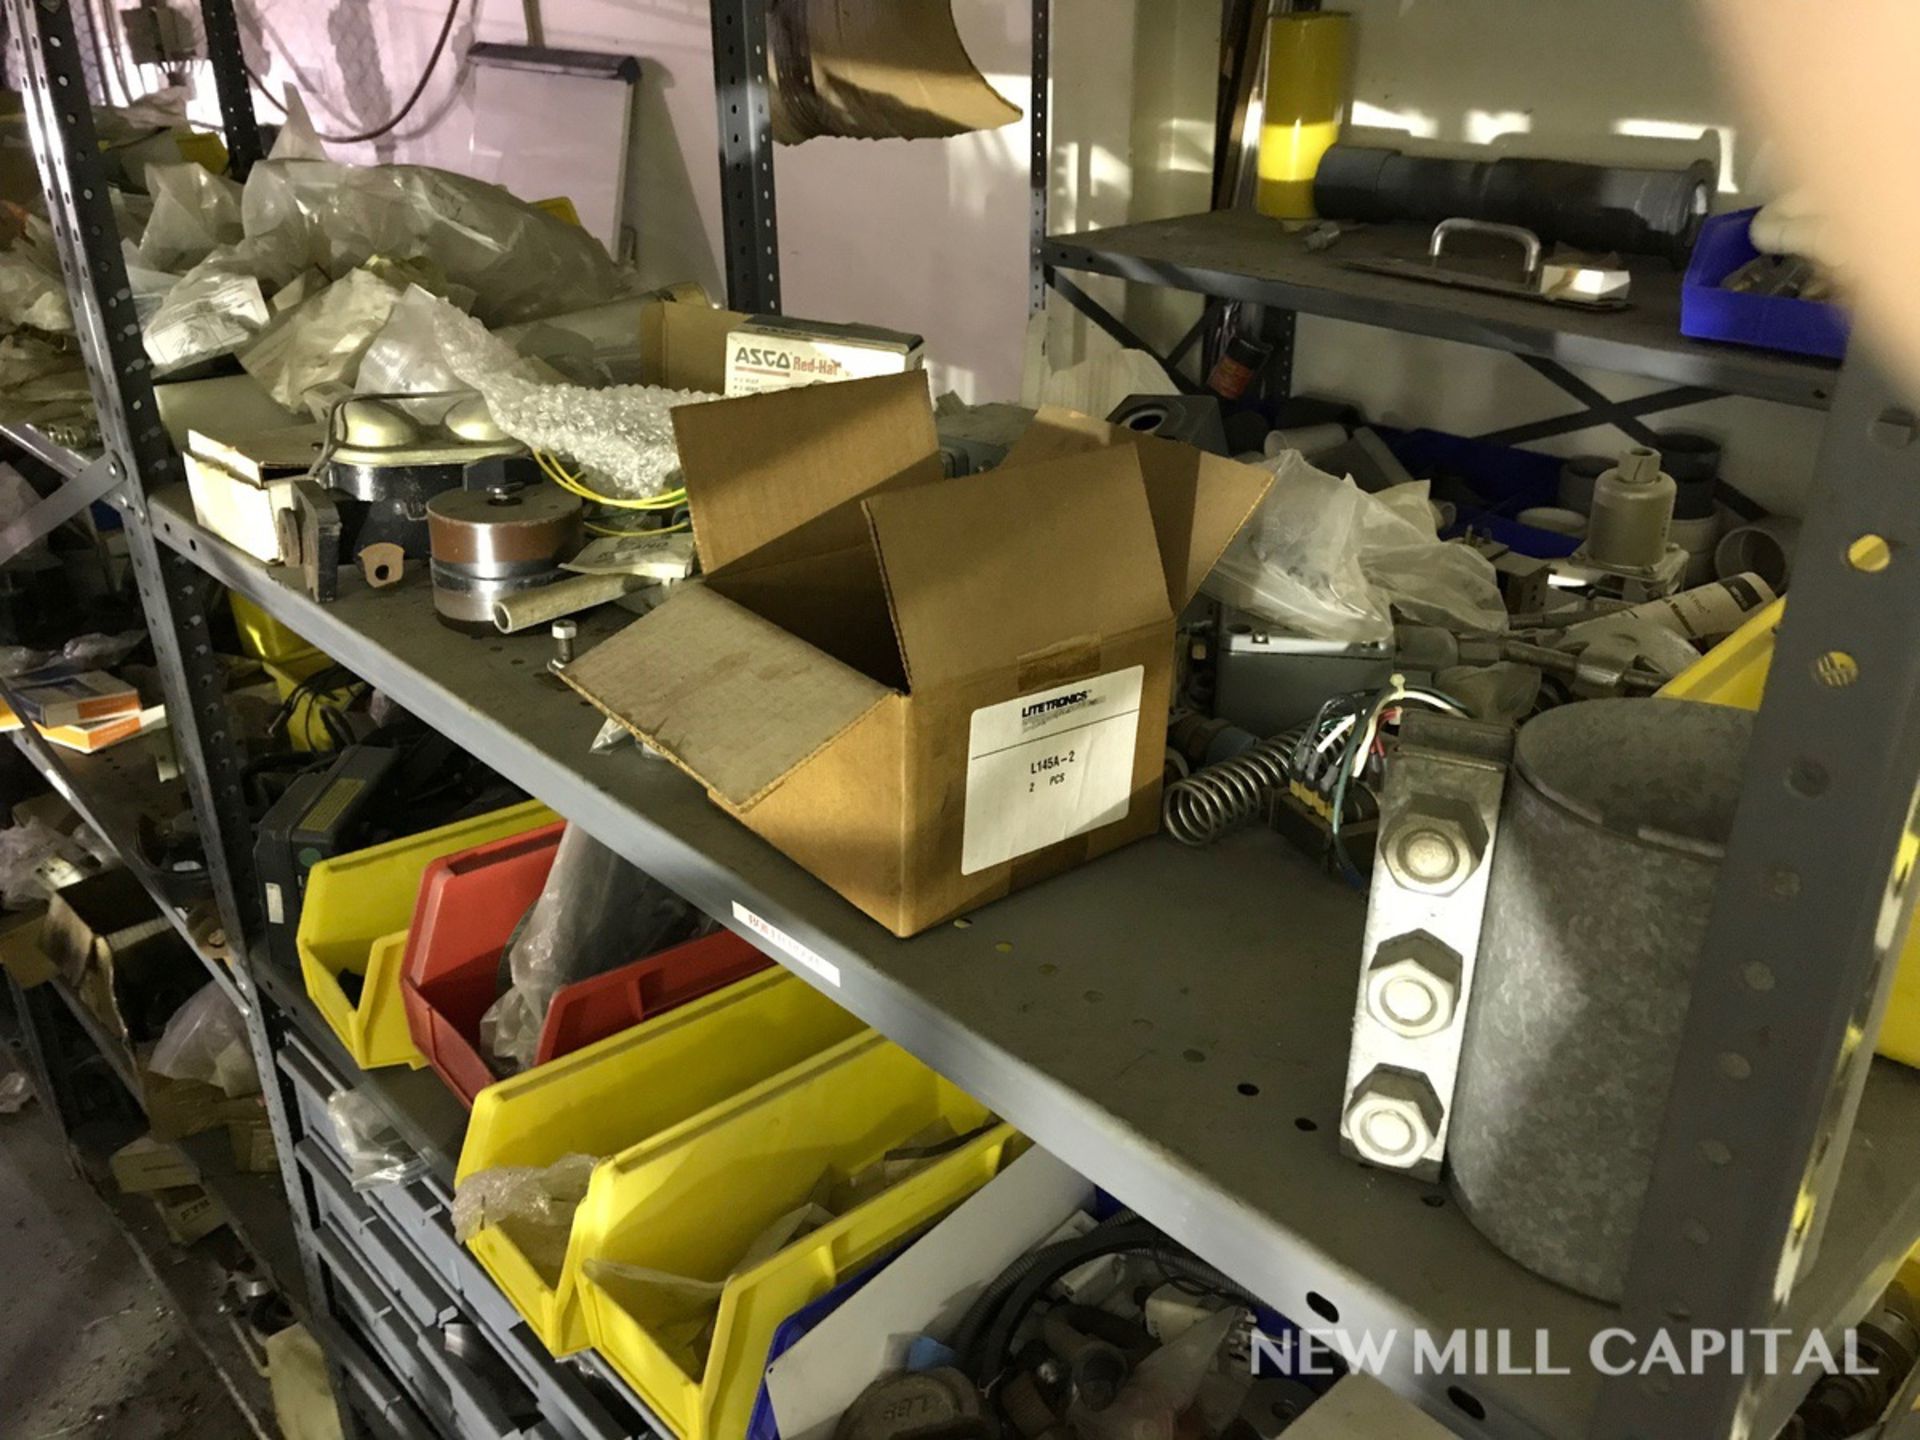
{"x":734,"y":700}
{"x":984,"y":570}
{"x":1199,"y":500}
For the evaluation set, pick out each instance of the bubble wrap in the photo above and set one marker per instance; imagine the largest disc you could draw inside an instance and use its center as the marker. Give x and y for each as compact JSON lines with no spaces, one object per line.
{"x":623,"y":433}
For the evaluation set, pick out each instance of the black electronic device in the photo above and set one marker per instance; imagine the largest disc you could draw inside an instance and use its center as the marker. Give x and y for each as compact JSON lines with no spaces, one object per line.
{"x":320,"y":815}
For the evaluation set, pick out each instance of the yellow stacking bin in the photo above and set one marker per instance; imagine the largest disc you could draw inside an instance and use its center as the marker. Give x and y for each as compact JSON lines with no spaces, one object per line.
{"x":354,"y":921}
{"x":1734,"y":673}
{"x":690,"y":1202}
{"x":621,"y":1091}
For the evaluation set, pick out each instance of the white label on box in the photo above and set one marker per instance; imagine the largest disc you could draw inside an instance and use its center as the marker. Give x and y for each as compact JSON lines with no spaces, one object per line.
{"x":276,"y":905}
{"x":1049,"y":766}
{"x":787,"y":945}
{"x":757,"y":363}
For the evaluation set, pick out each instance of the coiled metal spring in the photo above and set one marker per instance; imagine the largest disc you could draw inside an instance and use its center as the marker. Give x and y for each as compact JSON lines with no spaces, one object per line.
{"x":1205,"y":805}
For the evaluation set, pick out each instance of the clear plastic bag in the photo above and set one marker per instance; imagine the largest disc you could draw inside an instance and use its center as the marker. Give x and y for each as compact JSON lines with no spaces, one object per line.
{"x":206,"y":1040}
{"x":595,"y":913}
{"x":520,"y":262}
{"x":32,"y":294}
{"x":623,"y":433}
{"x":1324,"y":557}
{"x":534,"y":1203}
{"x":211,"y":311}
{"x":24,"y":849}
{"x":376,"y":1155}
{"x":194,"y":213}
{"x":320,"y":342}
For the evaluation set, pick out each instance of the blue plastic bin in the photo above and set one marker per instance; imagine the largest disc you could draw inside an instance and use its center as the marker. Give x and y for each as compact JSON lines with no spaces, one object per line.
{"x":1773,"y":322}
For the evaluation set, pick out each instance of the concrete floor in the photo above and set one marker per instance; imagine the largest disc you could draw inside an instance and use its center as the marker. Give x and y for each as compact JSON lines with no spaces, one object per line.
{"x":88,"y":1345}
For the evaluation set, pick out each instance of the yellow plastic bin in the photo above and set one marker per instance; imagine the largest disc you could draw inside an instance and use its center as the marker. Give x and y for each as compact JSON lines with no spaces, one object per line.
{"x":354,"y":922}
{"x":690,"y":1202}
{"x":1734,"y":673}
{"x":618,"y":1092}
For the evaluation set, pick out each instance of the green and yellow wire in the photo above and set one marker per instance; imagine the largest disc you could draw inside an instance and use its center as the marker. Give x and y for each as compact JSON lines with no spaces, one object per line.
{"x":574,"y":485}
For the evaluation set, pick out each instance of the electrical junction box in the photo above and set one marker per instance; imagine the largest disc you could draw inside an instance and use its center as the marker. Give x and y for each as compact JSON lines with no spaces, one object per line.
{"x":770,"y":352}
{"x":1269,"y":678}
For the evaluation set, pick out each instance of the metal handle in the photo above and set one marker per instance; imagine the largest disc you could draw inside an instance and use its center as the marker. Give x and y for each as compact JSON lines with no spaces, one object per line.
{"x":1528,"y":242}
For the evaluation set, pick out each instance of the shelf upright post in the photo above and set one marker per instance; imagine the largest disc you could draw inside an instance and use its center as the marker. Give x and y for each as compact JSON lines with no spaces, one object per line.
{"x":137,"y":450}
{"x":749,"y":218}
{"x":232,"y":84}
{"x":1040,"y":176}
{"x":174,"y":593}
{"x":1809,"y":919}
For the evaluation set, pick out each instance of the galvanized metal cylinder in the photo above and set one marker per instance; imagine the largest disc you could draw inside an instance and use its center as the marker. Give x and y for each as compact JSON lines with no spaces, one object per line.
{"x":1612,"y":832}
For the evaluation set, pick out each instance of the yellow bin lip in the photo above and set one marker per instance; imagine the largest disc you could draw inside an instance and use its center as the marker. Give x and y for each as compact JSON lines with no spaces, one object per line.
{"x":553,"y":1310}
{"x":693,"y":1408}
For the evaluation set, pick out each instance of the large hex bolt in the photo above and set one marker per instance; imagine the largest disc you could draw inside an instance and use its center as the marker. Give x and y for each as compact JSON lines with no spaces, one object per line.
{"x":1435,"y":844}
{"x":1393,"y":1118}
{"x":1413,"y":985}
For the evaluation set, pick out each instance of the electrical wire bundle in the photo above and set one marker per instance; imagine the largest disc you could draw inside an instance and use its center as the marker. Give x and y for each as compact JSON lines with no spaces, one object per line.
{"x":1330,"y":756}
{"x":658,"y":505}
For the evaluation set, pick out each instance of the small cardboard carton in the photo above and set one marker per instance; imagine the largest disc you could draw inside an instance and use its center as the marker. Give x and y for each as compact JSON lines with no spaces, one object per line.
{"x":188,"y":1212}
{"x":145,"y":1165}
{"x":928,"y":692}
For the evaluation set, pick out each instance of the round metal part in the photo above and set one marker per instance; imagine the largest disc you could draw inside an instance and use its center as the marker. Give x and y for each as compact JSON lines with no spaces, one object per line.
{"x":1393,"y":1118}
{"x":897,"y":1407}
{"x":399,"y":483}
{"x":495,"y":533}
{"x":1612,"y":832}
{"x":469,"y":599}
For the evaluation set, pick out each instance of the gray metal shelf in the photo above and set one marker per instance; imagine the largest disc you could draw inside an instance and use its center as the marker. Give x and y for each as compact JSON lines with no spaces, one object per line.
{"x":1240,"y":255}
{"x":1173,"y":1023}
{"x":257,"y":1212}
{"x":59,"y":458}
{"x":255,"y":1203}
{"x":109,"y":789}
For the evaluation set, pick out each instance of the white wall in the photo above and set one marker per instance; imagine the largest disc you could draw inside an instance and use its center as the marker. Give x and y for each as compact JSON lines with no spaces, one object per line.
{"x":932,"y":236}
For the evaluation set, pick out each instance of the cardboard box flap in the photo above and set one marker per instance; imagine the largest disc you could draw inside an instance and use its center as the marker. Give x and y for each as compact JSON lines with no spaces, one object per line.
{"x":1199,"y":500}
{"x":988,"y":569}
{"x":731,"y":698}
{"x":761,"y":467}
{"x":683,"y":344}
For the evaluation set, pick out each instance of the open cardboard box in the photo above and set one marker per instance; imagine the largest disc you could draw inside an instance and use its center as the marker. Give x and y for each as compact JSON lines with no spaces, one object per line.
{"x":928,"y":692}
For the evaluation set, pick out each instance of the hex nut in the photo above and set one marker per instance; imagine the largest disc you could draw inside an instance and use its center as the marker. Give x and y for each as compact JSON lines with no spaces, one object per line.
{"x":1413,"y":985}
{"x":1393,"y":1118}
{"x":1436,"y":843}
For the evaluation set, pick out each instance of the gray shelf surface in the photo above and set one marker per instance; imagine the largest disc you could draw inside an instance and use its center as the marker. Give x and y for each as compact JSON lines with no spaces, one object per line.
{"x":110,"y":789}
{"x":1240,"y":255}
{"x":1171,"y":1022}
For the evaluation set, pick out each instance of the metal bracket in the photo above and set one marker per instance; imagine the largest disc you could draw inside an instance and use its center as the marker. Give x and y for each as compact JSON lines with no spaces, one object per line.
{"x":1813,"y":904}
{"x":748,"y":215}
{"x":1121,"y":331}
{"x":1623,"y":415}
{"x":96,"y":482}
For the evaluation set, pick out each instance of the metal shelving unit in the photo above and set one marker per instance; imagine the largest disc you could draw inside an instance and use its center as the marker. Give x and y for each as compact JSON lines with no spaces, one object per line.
{"x":1174,"y":1023}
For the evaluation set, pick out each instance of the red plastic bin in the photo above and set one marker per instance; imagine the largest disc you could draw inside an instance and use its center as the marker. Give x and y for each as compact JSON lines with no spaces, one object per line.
{"x":468,"y":906}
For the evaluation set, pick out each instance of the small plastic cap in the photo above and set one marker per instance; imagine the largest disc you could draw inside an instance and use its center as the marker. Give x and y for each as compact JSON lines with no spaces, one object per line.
{"x":1640,"y":465}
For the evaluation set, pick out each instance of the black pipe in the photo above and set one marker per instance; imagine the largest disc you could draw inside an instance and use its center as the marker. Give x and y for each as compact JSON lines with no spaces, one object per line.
{"x":1595,"y":207}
